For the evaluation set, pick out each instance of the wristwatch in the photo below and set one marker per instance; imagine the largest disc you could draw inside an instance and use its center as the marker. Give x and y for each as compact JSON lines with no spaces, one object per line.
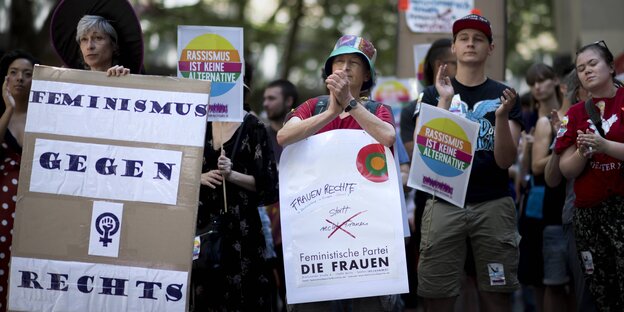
{"x":352,"y":104}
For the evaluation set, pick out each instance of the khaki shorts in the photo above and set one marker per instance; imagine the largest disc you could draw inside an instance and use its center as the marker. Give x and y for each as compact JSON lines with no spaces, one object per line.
{"x":491,"y":226}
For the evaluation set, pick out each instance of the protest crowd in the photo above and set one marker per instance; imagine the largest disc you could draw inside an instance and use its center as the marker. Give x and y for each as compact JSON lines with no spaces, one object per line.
{"x":540,"y":227}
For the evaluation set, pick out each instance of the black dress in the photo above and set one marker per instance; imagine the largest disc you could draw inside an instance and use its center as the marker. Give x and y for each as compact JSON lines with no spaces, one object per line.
{"x":241,"y":282}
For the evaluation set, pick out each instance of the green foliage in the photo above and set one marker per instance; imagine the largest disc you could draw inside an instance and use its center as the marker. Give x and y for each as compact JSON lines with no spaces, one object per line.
{"x":300,"y":56}
{"x":301,"y":50}
{"x":530,"y":22}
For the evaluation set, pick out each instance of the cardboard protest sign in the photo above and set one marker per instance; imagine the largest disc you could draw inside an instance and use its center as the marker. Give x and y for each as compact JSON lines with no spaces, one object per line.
{"x":108,"y":192}
{"x":443,"y":154}
{"x":341,"y":218}
{"x":215,"y":54}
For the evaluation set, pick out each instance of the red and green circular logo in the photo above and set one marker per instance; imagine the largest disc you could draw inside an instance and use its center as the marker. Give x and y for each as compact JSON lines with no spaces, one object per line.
{"x":371,"y":163}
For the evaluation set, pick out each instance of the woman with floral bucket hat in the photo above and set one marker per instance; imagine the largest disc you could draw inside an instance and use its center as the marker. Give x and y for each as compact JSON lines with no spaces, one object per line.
{"x":348,"y":72}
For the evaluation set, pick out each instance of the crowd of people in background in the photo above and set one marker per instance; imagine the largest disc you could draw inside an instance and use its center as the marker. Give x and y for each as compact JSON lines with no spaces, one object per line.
{"x":544,"y":209}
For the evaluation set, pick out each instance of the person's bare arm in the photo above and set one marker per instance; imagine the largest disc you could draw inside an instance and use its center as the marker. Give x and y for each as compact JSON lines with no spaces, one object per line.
{"x":552,"y":174}
{"x":573,"y":161}
{"x":296,"y":129}
{"x":506,"y":132}
{"x":377,"y":128}
{"x":541,"y":146}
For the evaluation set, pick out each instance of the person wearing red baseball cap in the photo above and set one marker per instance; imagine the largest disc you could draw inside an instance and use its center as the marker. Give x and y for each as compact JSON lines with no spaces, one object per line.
{"x":488,"y":218}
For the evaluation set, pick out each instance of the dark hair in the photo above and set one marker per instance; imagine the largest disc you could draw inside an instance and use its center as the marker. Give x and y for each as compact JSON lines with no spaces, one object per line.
{"x":573,"y":84}
{"x":6,"y":61}
{"x":601,"y":48}
{"x":288,"y":90}
{"x":11,"y":56}
{"x":525,"y":100}
{"x":436,"y":52}
{"x":247,"y":81}
{"x":539,"y":72}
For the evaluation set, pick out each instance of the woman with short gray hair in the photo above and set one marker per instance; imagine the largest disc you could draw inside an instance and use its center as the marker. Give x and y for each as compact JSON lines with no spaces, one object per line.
{"x":98,"y":35}
{"x":97,"y":39}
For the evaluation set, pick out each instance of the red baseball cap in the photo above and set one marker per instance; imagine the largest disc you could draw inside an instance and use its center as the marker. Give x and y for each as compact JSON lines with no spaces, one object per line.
{"x":473,"y":21}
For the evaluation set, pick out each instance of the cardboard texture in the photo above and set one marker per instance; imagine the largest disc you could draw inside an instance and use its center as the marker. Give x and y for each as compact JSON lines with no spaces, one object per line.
{"x":153,"y":236}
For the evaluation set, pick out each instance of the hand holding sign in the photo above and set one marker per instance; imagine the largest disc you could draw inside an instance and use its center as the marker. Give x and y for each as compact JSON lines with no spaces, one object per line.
{"x":225,"y":165}
{"x":117,"y":71}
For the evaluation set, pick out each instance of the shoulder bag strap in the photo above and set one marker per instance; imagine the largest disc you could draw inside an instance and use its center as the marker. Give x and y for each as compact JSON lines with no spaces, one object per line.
{"x":594,"y":116}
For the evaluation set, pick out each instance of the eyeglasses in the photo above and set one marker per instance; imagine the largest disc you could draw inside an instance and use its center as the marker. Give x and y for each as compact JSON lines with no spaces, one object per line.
{"x":600,"y":43}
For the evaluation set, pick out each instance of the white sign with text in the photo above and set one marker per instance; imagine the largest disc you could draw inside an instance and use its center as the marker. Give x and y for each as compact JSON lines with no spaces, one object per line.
{"x":341,"y":218}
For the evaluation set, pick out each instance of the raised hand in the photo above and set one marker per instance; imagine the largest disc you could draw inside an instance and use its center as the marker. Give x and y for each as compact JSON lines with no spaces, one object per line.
{"x":338,"y":85}
{"x":443,"y":85}
{"x":507,"y":102}
{"x":555,"y":122}
{"x":9,"y":101}
{"x":590,"y":143}
{"x":334,"y":105}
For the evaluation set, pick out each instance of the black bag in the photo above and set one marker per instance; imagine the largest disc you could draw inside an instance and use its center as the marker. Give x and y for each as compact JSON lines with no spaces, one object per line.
{"x":212,"y":239}
{"x":213,"y":235}
{"x":594,"y":116}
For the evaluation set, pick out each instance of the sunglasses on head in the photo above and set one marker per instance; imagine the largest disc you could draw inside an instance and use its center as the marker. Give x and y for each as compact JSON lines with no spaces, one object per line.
{"x":600,"y":43}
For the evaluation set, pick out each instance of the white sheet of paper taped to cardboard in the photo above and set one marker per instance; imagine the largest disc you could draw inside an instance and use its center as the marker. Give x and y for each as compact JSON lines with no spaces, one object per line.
{"x":47,"y":285}
{"x":117,"y":113}
{"x":105,"y":232}
{"x":106,"y":171}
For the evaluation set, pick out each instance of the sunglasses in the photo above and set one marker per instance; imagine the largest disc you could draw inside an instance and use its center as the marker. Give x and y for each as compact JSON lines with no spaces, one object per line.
{"x":600,"y":43}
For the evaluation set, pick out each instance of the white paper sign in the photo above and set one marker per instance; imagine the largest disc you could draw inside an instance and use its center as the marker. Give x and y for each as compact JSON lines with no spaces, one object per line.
{"x":106,"y":224}
{"x":47,"y":285}
{"x":428,"y":16}
{"x":341,"y":218}
{"x":215,"y":54}
{"x":443,"y":154}
{"x":106,"y":112}
{"x":106,"y":171}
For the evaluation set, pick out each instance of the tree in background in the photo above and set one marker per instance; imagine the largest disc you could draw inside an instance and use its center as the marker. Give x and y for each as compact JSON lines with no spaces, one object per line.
{"x":530,"y":33}
{"x":283,"y":38}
